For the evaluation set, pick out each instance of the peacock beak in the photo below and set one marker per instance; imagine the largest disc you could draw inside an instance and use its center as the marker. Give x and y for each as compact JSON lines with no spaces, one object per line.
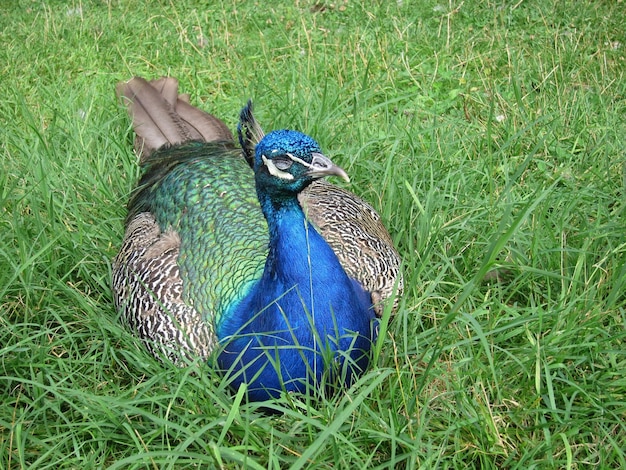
{"x":322,"y":166}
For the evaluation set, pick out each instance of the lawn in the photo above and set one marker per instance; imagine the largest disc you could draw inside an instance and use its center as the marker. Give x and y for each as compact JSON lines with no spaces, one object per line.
{"x":489,"y":135}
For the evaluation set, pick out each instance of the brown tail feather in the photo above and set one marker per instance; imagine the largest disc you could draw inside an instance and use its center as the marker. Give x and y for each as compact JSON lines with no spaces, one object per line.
{"x":167,"y":88}
{"x":210,"y":128}
{"x":161,"y":116}
{"x":199,"y":124}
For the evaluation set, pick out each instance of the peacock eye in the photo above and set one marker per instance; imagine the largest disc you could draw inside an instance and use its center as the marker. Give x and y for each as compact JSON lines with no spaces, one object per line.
{"x":282,"y":163}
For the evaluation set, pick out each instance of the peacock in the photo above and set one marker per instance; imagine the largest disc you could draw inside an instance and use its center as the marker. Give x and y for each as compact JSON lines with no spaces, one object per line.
{"x":244,"y":254}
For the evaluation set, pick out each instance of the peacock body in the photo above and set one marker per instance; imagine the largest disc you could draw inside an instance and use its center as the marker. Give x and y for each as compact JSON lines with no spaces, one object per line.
{"x":275,"y":271}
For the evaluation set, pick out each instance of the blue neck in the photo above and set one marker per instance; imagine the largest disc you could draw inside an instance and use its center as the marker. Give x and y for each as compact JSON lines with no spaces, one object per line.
{"x":303,"y":309}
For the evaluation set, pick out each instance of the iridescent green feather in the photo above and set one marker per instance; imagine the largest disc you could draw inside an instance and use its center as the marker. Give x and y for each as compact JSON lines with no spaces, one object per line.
{"x":209,"y":199}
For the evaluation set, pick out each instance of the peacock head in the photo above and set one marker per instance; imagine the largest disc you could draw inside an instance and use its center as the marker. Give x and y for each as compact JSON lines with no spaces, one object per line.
{"x":288,"y":161}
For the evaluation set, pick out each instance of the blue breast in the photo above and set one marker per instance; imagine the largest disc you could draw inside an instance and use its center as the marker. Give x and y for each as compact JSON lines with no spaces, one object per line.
{"x":304,"y":323}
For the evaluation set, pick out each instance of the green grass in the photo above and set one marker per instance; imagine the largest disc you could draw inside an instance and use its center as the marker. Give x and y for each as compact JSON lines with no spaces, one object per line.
{"x":490,"y":136}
